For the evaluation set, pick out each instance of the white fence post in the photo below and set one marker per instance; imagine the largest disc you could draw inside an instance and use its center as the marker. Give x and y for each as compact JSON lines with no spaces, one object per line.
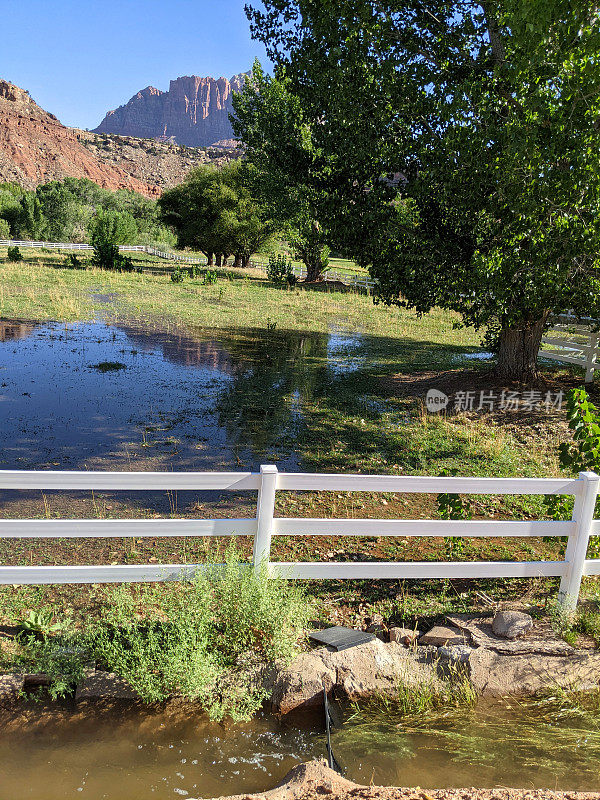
{"x":583,"y":517}
{"x":264,"y":515}
{"x":590,"y":361}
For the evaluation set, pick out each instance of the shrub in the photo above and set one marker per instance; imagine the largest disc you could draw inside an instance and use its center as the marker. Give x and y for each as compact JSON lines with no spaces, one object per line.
{"x":14,"y":254}
{"x":279,"y":269}
{"x":177,"y":276}
{"x":583,"y":453}
{"x":208,"y":641}
{"x":210,"y":276}
{"x":4,"y":229}
{"x":72,"y":261}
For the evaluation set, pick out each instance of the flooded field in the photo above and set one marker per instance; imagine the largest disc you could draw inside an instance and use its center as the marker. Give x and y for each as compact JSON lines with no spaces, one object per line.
{"x":130,"y":754}
{"x":104,"y":395}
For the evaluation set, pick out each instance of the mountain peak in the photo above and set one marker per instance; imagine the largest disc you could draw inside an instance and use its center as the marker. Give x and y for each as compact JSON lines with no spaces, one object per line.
{"x":194,"y":111}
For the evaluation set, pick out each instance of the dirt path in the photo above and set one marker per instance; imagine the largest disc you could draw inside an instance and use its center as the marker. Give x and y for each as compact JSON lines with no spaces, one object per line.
{"x":314,"y":780}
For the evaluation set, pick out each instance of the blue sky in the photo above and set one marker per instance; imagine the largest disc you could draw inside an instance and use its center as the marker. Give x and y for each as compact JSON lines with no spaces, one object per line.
{"x":80,"y":59}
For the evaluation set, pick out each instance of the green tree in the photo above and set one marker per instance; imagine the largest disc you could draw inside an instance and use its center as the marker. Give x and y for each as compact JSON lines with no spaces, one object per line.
{"x":488,"y":113}
{"x":4,"y":229}
{"x":30,"y":222}
{"x":108,"y":230}
{"x":215,"y":211}
{"x":278,"y":136}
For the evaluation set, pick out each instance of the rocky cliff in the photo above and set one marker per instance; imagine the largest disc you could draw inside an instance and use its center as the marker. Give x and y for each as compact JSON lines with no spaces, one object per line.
{"x":35,"y":148}
{"x":195,"y":112}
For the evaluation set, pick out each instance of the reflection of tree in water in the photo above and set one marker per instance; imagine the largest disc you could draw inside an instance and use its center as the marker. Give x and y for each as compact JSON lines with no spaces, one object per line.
{"x":263,"y":406}
{"x":13,"y":329}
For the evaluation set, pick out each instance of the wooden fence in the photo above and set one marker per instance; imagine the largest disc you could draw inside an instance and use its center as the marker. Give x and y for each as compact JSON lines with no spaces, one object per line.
{"x":349,"y":278}
{"x":265,"y":525}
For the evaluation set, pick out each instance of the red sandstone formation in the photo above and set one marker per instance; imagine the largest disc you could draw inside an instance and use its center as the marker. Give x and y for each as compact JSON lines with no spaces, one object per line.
{"x":195,"y":111}
{"x":36,"y":148}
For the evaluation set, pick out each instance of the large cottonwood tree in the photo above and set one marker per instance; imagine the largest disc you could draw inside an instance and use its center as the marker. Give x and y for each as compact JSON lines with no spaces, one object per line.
{"x":490,"y":112}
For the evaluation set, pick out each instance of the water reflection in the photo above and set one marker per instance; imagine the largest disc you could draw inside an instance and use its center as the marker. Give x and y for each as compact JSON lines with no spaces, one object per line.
{"x":182,"y":400}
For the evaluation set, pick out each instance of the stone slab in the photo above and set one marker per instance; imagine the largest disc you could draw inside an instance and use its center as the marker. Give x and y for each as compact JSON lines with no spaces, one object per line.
{"x":540,"y":639}
{"x":442,"y":635}
{"x":11,"y":686}
{"x":340,"y":638}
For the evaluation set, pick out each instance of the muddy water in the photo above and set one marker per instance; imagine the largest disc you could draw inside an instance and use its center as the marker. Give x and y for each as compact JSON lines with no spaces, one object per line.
{"x":127,"y":753}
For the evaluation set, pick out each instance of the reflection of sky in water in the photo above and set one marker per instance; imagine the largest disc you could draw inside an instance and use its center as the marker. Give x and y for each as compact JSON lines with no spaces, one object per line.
{"x":180,"y":400}
{"x":479,"y":356}
{"x":343,"y":352}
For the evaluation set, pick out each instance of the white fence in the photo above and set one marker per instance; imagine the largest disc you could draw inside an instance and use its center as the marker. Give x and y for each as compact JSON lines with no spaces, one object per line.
{"x":265,"y":525}
{"x":349,"y":278}
{"x":575,"y":342}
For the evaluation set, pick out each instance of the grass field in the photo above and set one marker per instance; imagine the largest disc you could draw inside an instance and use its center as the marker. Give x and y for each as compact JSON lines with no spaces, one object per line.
{"x":370,"y":420}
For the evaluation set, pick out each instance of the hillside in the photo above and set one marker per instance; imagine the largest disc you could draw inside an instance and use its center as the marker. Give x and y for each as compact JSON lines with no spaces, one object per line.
{"x":194,"y":111}
{"x":35,"y":148}
{"x":162,"y":164}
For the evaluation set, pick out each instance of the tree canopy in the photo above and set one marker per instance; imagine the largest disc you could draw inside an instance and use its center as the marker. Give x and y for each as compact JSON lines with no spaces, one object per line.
{"x":66,"y":210}
{"x":270,"y":120}
{"x":216,"y":211}
{"x":488,"y":116}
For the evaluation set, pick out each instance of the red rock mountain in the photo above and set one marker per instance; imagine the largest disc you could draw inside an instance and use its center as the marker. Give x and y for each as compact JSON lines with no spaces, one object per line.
{"x":35,"y":148}
{"x":195,"y":112}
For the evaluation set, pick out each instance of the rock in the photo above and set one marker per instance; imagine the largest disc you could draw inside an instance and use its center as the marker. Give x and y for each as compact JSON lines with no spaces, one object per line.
{"x":11,"y":686}
{"x":195,"y":112}
{"x":405,"y":636}
{"x":36,"y":148}
{"x":104,"y":685}
{"x":496,"y":674}
{"x":357,"y":672}
{"x":458,"y":653}
{"x":299,"y":686}
{"x":511,"y":624}
{"x":442,"y":635}
{"x":542,"y":639}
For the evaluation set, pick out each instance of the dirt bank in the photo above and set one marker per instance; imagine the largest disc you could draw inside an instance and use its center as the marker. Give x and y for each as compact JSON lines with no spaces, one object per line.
{"x":314,"y":779}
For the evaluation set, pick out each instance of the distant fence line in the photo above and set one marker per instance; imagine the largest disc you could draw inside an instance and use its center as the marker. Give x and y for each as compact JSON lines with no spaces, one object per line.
{"x":264,"y":525}
{"x":348,"y":278}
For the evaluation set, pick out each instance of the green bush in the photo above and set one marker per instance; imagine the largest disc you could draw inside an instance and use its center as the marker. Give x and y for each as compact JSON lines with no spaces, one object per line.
{"x":14,"y":254}
{"x":177,"y":276}
{"x":4,"y":229}
{"x":208,"y":639}
{"x":279,"y":269}
{"x":72,"y":261}
{"x":206,"y":642}
{"x":210,"y":276}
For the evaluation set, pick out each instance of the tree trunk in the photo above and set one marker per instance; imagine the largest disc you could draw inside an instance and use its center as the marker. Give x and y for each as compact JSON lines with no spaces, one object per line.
{"x":518,"y":350}
{"x":210,"y":259}
{"x":237,"y":261}
{"x":245,"y":261}
{"x":218,"y":260}
{"x":314,"y":272}
{"x":224,"y":261}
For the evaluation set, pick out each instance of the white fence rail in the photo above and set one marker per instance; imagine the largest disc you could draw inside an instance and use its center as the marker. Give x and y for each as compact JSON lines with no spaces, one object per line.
{"x":265,"y":525}
{"x":349,"y":278}
{"x":574,"y":342}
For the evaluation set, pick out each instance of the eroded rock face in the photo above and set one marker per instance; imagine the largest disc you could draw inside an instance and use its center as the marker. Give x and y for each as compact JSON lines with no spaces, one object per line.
{"x":195,"y":111}
{"x":358,"y":672}
{"x":36,"y":148}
